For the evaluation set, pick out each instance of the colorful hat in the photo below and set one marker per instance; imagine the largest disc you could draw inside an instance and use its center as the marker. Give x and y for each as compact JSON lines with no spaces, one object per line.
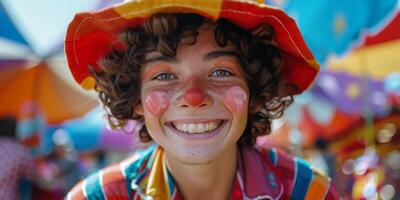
{"x":91,"y":35}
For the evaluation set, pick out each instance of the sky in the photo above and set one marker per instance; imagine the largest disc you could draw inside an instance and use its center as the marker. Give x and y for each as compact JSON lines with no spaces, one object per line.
{"x":44,"y":22}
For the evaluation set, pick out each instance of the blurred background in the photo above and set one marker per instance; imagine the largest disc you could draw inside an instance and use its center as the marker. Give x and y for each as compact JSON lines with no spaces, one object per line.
{"x":347,"y":124}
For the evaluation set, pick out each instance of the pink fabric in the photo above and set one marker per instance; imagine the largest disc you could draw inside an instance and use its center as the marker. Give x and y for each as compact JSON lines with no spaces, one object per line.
{"x":254,"y":171}
{"x":15,"y":163}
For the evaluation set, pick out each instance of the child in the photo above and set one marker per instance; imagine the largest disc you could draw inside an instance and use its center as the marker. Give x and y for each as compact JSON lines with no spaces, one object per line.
{"x":206,"y":78}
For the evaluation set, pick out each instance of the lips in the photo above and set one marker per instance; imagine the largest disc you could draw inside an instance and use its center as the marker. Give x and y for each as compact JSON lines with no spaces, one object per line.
{"x":197,"y":127}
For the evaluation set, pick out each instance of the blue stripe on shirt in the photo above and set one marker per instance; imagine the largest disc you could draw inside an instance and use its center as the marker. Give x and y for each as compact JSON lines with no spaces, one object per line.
{"x":171,"y":183}
{"x":93,"y":188}
{"x":303,"y":178}
{"x":132,"y":170}
{"x":273,"y":156}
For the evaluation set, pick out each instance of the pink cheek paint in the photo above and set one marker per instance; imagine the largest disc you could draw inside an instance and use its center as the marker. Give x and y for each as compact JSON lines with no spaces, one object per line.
{"x":194,"y":96}
{"x":235,"y":98}
{"x":156,"y":103}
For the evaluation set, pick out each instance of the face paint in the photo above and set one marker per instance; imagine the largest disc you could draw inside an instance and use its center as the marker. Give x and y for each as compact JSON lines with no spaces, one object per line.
{"x":194,"y":96}
{"x":235,"y":98}
{"x":157,"y":103}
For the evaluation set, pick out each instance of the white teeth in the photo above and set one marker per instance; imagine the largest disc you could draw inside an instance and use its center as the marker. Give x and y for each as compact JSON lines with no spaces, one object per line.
{"x":185,"y":127}
{"x":192,"y":128}
{"x":179,"y":126}
{"x":200,"y":128}
{"x":196,"y":128}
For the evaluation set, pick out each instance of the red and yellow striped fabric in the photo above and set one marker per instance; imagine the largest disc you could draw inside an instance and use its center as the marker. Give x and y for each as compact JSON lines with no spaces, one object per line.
{"x":91,"y":35}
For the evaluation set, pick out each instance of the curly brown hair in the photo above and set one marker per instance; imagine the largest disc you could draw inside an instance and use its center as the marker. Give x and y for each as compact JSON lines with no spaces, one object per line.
{"x":118,"y":79}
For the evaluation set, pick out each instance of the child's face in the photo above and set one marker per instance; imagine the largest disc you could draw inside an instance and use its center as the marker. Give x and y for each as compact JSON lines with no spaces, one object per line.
{"x":195,"y":105}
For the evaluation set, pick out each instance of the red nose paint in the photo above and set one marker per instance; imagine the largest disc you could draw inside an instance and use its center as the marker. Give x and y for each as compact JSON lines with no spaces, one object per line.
{"x":156,"y":103}
{"x":194,"y":96}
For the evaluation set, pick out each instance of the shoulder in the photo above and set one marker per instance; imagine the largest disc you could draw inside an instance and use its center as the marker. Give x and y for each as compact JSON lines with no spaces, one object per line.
{"x":300,"y":178}
{"x":13,"y":150}
{"x":112,"y":182}
{"x":99,"y":185}
{"x":12,"y":145}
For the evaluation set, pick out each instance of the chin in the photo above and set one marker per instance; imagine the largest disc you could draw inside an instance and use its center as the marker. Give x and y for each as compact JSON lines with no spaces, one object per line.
{"x":194,"y":155}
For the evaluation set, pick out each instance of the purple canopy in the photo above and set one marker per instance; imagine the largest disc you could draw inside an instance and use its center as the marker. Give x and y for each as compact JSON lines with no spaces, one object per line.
{"x":352,"y":94}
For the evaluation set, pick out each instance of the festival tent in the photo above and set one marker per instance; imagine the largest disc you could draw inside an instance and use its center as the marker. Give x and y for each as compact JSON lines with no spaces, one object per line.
{"x":337,"y":101}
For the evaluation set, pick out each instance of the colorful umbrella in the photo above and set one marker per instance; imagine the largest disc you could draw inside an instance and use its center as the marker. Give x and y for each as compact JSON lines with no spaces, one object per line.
{"x":32,"y":64}
{"x":377,"y":56}
{"x":352,"y":94}
{"x":57,"y":100}
{"x":13,"y":46}
{"x":339,"y":101}
{"x":332,"y":26}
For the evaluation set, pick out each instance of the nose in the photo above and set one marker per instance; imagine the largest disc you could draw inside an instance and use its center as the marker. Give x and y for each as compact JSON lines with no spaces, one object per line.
{"x":195,"y":97}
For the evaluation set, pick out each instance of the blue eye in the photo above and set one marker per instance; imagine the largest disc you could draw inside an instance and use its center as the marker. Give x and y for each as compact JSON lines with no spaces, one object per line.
{"x":221,"y":73}
{"x":164,"y":77}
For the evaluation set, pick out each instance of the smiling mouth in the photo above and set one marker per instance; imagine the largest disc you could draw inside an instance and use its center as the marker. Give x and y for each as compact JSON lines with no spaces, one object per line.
{"x":197,"y":128}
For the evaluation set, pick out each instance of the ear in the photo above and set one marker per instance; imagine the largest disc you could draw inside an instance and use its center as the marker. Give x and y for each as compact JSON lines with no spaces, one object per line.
{"x":138,"y":109}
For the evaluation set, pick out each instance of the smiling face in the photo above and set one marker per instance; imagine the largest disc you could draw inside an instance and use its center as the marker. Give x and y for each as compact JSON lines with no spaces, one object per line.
{"x":195,"y":104}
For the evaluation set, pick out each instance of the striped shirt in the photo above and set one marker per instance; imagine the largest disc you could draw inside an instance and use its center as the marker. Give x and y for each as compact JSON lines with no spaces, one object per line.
{"x":261,"y":174}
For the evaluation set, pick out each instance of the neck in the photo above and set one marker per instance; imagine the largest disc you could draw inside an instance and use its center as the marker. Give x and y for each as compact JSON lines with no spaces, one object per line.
{"x":212,"y":180}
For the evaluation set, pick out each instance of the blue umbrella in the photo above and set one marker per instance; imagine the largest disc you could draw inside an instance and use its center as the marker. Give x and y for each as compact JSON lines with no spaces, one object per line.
{"x":90,"y":132}
{"x":332,"y":26}
{"x":8,"y":29}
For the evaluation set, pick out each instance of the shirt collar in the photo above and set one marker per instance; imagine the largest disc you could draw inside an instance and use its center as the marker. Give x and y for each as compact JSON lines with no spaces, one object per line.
{"x":255,"y":177}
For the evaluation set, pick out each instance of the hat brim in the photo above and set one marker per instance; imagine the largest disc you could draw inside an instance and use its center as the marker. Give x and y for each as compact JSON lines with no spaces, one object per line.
{"x":91,"y":35}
